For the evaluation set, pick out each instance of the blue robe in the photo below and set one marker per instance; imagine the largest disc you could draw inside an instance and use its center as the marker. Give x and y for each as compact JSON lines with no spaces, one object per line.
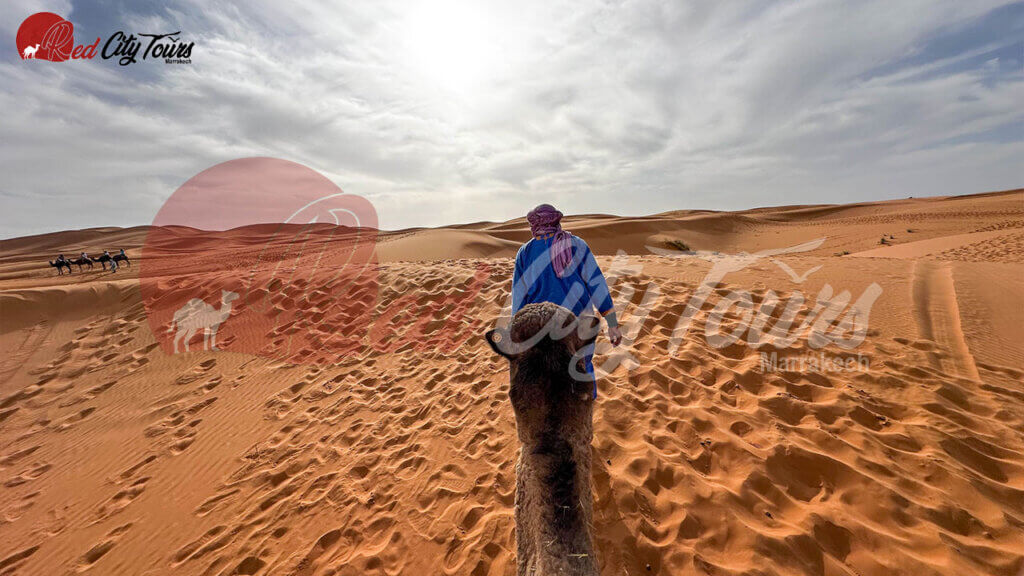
{"x":534,"y":281}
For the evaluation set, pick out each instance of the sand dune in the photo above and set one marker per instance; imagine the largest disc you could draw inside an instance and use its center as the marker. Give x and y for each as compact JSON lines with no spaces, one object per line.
{"x":303,"y":449}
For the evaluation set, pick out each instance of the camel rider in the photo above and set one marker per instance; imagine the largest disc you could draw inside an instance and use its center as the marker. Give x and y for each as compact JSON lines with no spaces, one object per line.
{"x":556,"y":266}
{"x":85,"y":256}
{"x":113,"y":263}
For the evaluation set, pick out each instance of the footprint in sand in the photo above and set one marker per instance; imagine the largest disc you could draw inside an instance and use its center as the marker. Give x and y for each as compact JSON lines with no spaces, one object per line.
{"x":9,"y":565}
{"x":122,"y":499}
{"x":100,"y":549}
{"x":28,"y":475}
{"x":70,"y":421}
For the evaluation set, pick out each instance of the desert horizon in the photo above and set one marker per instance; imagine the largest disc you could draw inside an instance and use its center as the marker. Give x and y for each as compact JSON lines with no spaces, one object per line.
{"x":521,"y":221}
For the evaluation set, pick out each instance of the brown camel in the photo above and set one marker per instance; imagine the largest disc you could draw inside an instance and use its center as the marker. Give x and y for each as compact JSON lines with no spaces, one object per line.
{"x":554,"y":421}
{"x":59,"y":265}
{"x":122,"y":257}
{"x":82,"y":261}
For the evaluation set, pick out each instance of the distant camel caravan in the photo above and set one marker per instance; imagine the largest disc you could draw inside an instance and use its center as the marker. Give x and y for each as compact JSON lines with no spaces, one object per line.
{"x":554,"y":420}
{"x":85,"y":260}
{"x":197,"y":315}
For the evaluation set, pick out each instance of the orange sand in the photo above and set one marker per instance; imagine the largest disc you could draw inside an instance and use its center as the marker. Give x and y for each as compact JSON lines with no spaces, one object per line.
{"x":117,"y":458}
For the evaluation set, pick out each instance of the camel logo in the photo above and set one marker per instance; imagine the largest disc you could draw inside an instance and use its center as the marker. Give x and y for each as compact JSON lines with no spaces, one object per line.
{"x":197,"y":315}
{"x":47,"y":36}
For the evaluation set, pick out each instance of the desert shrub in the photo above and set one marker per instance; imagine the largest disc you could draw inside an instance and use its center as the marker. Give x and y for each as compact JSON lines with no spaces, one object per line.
{"x":678,"y":245}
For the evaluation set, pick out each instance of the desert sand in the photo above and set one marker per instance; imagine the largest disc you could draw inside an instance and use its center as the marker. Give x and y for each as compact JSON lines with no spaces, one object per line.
{"x":289,"y":452}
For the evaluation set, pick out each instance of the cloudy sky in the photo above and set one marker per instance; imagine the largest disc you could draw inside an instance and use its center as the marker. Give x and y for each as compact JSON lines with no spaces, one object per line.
{"x":445,"y":111}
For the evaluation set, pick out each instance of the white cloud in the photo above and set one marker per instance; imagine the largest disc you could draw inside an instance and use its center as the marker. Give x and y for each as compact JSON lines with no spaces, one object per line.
{"x":12,"y":12}
{"x":480,"y":112}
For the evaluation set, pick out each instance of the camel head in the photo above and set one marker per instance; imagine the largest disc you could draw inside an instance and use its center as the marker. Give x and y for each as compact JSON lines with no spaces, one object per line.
{"x":545,"y":345}
{"x":227,"y":296}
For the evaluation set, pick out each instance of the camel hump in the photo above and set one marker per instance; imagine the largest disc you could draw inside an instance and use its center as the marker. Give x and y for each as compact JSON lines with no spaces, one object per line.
{"x":191,"y":307}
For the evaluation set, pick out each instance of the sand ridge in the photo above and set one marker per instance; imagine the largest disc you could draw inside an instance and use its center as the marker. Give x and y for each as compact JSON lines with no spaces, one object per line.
{"x":119,"y":458}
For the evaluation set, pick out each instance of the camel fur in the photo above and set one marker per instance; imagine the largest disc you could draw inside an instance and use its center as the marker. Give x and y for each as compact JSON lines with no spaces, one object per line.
{"x":554,"y":422}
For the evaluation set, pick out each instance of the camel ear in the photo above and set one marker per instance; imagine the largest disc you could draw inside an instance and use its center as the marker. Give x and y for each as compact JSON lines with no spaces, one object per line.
{"x":499,"y":339}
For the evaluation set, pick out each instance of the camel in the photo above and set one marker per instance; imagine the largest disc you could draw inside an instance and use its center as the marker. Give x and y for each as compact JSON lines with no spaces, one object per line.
{"x":103,"y":259}
{"x":30,"y":51}
{"x":81,"y":261}
{"x":554,"y":421}
{"x":196,"y":315}
{"x":122,"y":257}
{"x":59,"y":264}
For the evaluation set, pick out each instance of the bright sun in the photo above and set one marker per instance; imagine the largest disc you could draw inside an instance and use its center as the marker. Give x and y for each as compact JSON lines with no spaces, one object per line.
{"x":452,"y":44}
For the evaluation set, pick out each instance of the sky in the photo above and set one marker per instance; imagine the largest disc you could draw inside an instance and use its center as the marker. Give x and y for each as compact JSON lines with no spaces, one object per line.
{"x":443,"y":112}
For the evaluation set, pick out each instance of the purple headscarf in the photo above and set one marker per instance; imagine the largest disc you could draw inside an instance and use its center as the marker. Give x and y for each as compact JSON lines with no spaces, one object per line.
{"x":544,"y":220}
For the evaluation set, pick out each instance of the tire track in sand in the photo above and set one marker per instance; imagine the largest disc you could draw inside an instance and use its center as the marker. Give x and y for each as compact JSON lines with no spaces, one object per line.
{"x":938,"y":317}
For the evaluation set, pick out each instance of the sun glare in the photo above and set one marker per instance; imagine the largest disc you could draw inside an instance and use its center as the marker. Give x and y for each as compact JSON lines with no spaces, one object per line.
{"x":452,"y":45}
